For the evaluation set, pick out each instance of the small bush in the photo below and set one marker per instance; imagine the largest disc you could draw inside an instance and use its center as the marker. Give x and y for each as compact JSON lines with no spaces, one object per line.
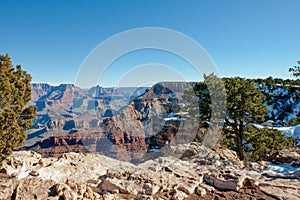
{"x":259,"y":144}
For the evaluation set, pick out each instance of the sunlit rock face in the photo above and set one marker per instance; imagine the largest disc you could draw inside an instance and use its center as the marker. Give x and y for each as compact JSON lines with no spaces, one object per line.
{"x":107,"y":120}
{"x":202,"y":173}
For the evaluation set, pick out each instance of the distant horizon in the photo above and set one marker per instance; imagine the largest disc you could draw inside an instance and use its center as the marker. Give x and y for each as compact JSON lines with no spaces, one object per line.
{"x":124,"y":86}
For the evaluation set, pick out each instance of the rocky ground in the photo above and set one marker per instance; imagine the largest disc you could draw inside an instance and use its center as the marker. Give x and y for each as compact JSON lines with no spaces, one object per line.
{"x":198,"y":173}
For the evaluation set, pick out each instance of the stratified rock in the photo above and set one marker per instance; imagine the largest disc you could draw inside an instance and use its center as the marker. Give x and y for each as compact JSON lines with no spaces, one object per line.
{"x":39,"y":89}
{"x":281,"y":188}
{"x":206,"y":174}
{"x":7,"y":186}
{"x":285,"y":157}
{"x":34,"y":188}
{"x":225,"y":181}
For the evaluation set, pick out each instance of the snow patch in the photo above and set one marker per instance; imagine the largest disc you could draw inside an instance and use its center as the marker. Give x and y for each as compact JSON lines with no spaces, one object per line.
{"x":281,"y":169}
{"x":291,"y":131}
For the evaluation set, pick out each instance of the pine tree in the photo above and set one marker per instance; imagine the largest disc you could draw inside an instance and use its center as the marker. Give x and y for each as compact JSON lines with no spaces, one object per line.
{"x":244,"y":106}
{"x":206,"y":100}
{"x":15,"y":115}
{"x":198,"y":103}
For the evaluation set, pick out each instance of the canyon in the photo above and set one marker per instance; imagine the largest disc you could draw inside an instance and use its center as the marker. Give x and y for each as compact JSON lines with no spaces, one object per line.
{"x":108,"y":120}
{"x":127,"y":123}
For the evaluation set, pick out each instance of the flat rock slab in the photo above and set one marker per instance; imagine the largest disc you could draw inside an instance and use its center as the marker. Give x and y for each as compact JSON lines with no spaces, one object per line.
{"x":34,"y":188}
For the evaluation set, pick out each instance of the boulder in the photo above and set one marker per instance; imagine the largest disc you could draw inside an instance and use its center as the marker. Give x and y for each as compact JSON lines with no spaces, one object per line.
{"x":34,"y":188}
{"x":7,"y":186}
{"x":201,"y":191}
{"x":225,"y":181}
{"x":285,"y":157}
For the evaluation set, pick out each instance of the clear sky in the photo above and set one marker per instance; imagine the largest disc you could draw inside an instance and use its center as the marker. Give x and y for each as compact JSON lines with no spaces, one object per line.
{"x":248,"y":38}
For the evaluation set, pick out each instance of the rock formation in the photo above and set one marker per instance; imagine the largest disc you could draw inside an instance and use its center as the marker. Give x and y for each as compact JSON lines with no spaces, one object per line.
{"x":202,"y":173}
{"x":73,"y":120}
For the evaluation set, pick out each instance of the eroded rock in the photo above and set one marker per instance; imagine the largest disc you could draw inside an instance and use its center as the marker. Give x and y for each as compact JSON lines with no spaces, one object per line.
{"x":34,"y":188}
{"x":89,"y":176}
{"x":7,"y":186}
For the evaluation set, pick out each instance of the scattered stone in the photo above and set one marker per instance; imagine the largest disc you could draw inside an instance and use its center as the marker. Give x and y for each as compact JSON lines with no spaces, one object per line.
{"x":72,"y":184}
{"x":180,"y":195}
{"x":148,"y":188}
{"x":144,"y":197}
{"x":34,"y":173}
{"x":69,"y":195}
{"x":200,"y":191}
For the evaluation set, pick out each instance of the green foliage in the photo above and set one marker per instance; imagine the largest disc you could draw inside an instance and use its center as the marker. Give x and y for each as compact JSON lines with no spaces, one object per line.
{"x":217,"y":92}
{"x":271,"y":82}
{"x":206,"y":100}
{"x":281,"y":95}
{"x":15,"y":116}
{"x":295,"y":70}
{"x":244,"y":106}
{"x":295,"y":121}
{"x":264,"y":142}
{"x":193,"y":99}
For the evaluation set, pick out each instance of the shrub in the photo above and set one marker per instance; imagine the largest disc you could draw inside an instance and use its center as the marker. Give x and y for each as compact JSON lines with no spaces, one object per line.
{"x":259,"y":144}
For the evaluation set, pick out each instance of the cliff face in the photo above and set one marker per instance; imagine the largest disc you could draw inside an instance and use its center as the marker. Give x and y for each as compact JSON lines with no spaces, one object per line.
{"x":39,"y":89}
{"x":67,"y":109}
{"x":133,"y":129}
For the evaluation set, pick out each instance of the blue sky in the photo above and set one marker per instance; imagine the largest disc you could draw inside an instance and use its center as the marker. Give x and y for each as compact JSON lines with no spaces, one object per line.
{"x":51,"y":39}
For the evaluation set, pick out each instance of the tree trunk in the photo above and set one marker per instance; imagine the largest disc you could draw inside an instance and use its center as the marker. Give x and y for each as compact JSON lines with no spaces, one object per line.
{"x":240,"y":147}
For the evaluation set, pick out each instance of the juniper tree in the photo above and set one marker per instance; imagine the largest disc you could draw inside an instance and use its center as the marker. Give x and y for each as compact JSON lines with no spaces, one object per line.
{"x":15,"y":115}
{"x":206,"y":102}
{"x":244,"y":106}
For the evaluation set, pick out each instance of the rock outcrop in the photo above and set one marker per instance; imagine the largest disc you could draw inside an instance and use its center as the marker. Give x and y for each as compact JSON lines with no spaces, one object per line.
{"x":202,"y":174}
